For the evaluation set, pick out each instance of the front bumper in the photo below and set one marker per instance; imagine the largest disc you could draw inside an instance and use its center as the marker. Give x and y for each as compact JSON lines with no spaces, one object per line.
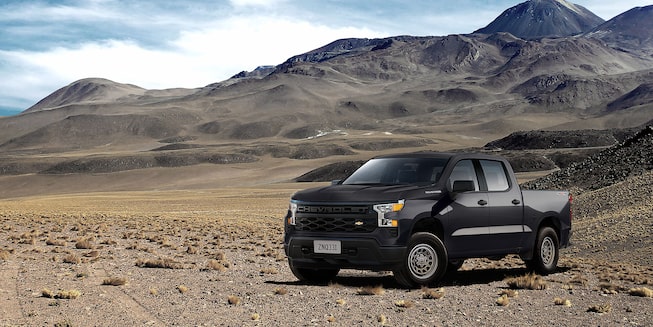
{"x":357,"y":253}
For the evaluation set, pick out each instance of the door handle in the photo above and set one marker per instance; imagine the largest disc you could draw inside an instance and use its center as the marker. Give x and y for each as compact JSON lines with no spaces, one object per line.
{"x":516,"y":202}
{"x":482,"y":202}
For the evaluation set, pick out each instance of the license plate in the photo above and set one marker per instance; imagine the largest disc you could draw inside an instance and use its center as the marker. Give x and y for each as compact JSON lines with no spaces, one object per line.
{"x":329,"y":247}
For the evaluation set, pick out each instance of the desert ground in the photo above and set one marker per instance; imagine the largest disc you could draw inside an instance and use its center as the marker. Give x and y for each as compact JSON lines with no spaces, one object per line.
{"x":215,"y":257}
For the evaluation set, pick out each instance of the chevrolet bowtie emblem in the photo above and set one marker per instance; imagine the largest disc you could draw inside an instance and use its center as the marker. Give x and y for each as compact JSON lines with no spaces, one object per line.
{"x":358,"y":223}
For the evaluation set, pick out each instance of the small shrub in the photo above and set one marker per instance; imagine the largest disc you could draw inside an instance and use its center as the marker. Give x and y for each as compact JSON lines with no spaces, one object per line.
{"x":182,"y":289}
{"x":503,"y":300}
{"x":233,"y":300}
{"x":405,"y":303}
{"x":529,"y":282}
{"x":341,"y":302}
{"x":52,"y":242}
{"x":67,"y":294}
{"x":560,"y":301}
{"x":256,"y":316}
{"x":61,"y":294}
{"x":215,"y":265}
{"x":154,"y":291}
{"x":159,"y":263}
{"x":603,"y":308}
{"x":72,"y":258}
{"x":47,"y":293}
{"x":84,"y":244}
{"x":382,"y":319}
{"x":281,"y":291}
{"x":371,"y":290}
{"x":331,"y":319}
{"x":4,"y":255}
{"x":509,"y":293}
{"x":269,"y":271}
{"x":428,"y":293}
{"x":115,"y":281}
{"x":641,"y":291}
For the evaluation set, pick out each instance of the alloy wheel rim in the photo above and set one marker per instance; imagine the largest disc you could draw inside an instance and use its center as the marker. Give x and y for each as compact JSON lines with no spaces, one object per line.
{"x":422,"y":261}
{"x":547,"y":252}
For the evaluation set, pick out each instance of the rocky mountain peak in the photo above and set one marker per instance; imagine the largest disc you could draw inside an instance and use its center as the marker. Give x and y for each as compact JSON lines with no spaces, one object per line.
{"x":543,"y":18}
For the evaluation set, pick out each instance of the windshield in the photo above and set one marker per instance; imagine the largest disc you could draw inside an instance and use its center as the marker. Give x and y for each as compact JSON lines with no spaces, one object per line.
{"x":398,"y":171}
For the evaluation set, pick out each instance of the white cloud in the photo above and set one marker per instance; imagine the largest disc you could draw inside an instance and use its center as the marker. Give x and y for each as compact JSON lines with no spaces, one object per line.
{"x":196,"y":58}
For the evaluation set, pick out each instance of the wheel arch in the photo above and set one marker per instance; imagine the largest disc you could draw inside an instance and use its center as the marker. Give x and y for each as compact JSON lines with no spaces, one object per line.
{"x":430,"y":225}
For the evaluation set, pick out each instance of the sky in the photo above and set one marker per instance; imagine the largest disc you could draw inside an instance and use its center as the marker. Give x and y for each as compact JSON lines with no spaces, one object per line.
{"x":159,"y":44}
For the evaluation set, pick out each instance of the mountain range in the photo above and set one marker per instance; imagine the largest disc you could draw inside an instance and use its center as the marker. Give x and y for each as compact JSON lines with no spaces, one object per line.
{"x":524,"y":71}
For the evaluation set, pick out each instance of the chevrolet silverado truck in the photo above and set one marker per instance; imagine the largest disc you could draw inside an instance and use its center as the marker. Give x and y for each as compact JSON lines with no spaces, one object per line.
{"x":420,"y":215}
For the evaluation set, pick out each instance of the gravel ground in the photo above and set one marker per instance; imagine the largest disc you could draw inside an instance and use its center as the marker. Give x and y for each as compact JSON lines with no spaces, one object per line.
{"x":217,"y":259}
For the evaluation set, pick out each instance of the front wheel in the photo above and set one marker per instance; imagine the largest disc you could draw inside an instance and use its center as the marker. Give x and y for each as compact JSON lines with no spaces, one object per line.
{"x":318,"y":276}
{"x":424,"y":263}
{"x":546,"y":252}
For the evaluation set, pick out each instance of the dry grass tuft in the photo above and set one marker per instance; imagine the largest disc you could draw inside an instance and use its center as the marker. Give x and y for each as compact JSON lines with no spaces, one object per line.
{"x":61,"y":294}
{"x":280,"y":291}
{"x":215,"y":265}
{"x":371,"y":290}
{"x":503,"y":300}
{"x":331,"y":319}
{"x":115,"y":281}
{"x":603,"y":308}
{"x":72,"y":258}
{"x":233,"y":300}
{"x":560,"y":301}
{"x":341,"y":302}
{"x":191,"y":250}
{"x":84,"y":244}
{"x":47,"y":293}
{"x":154,"y":291}
{"x":4,"y":255}
{"x":159,"y":263}
{"x":55,"y":242}
{"x":382,"y":319}
{"x":182,"y":289}
{"x":529,"y":281}
{"x":270,"y":271}
{"x":405,"y":304}
{"x":428,"y":293}
{"x":256,"y":316}
{"x":509,"y":293}
{"x":641,"y":291}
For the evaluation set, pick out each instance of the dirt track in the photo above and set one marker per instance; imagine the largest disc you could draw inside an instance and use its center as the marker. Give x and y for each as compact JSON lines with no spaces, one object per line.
{"x":222,"y":244}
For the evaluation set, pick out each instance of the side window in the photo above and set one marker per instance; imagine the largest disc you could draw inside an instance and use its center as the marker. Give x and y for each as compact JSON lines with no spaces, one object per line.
{"x":463,"y":171}
{"x":495,"y":175}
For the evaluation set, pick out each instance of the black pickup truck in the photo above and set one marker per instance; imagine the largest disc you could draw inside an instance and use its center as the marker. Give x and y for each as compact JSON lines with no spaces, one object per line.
{"x":422,"y":214}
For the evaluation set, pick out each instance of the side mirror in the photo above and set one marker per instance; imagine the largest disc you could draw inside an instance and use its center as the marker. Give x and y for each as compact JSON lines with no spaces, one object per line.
{"x":463,"y":186}
{"x":336,"y":182}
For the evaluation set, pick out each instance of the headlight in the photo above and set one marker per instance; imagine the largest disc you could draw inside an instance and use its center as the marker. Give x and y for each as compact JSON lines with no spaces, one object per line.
{"x":383,"y":210}
{"x":293,"y":211}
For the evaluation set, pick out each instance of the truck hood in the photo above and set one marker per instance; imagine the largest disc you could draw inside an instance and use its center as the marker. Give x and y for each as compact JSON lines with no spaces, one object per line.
{"x":359,"y":193}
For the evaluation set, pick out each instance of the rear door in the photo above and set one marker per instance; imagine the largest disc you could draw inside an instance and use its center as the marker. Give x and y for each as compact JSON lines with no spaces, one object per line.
{"x":505,"y":208}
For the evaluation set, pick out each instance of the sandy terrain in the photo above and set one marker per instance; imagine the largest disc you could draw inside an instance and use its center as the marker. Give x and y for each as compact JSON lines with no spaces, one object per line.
{"x":216,"y":258}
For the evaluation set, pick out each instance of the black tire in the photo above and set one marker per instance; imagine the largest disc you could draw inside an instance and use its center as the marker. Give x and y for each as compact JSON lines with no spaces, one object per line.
{"x":425,"y":261}
{"x":317,"y":276}
{"x":545,"y":253}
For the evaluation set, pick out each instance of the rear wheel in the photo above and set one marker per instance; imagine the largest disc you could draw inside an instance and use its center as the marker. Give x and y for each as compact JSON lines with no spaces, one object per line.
{"x":545,"y":253}
{"x":425,"y":261}
{"x":318,"y":276}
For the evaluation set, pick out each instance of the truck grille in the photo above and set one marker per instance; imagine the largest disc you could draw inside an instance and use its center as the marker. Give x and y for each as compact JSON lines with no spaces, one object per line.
{"x":336,"y":224}
{"x":347,"y":219}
